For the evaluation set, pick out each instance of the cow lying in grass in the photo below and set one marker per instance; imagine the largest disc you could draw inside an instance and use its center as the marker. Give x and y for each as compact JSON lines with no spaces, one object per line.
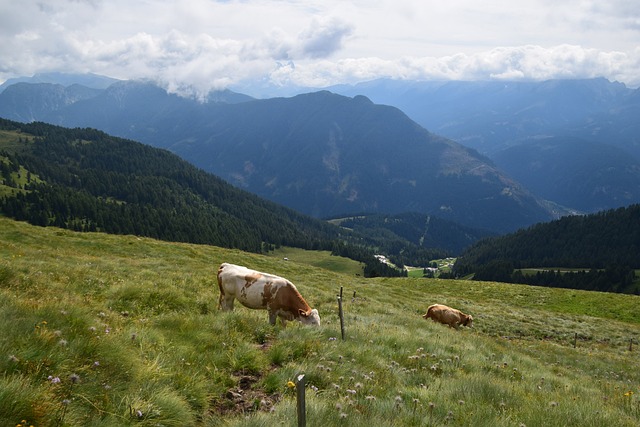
{"x":263,"y":291}
{"x":448,"y":316}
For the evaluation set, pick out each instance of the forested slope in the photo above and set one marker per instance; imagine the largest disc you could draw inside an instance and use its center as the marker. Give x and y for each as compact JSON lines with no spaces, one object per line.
{"x":605,"y":245}
{"x":86,"y":180}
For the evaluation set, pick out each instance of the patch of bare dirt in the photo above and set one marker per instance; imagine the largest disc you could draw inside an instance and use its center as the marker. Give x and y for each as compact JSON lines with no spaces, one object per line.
{"x":244,"y":398}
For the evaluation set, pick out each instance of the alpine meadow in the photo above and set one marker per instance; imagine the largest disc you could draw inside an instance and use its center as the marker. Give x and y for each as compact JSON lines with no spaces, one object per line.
{"x":322,"y":213}
{"x":106,"y":330}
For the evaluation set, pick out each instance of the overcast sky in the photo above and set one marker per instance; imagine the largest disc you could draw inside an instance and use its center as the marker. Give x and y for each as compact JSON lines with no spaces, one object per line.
{"x":208,"y":44}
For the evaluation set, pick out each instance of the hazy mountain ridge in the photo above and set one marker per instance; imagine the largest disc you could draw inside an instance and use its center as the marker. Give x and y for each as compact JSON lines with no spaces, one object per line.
{"x":489,"y":116}
{"x":325,"y":154}
{"x":28,"y":102}
{"x":320,"y":153}
{"x":586,"y":175}
{"x":511,"y":122}
{"x":90,"y":80}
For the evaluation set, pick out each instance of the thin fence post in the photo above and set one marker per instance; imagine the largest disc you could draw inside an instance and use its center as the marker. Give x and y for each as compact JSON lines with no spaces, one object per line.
{"x":631,"y":344}
{"x":575,"y":340}
{"x":341,"y":314}
{"x":300,"y":400}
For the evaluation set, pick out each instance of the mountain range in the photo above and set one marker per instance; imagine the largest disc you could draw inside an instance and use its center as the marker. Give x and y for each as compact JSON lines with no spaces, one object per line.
{"x":90,"y":80}
{"x":576,"y":142}
{"x":538,"y":149}
{"x":319,"y":153}
{"x":491,"y":116}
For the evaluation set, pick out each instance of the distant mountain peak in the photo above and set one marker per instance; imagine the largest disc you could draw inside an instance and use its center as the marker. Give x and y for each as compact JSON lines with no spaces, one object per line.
{"x":90,"y":80}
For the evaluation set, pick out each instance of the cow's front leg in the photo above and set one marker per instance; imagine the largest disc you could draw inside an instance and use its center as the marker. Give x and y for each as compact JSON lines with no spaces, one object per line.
{"x":283,"y":321}
{"x":272,"y":317}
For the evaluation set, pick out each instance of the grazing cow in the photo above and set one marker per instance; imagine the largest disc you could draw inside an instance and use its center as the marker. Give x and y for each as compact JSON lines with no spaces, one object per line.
{"x":263,"y":291}
{"x":448,"y":316}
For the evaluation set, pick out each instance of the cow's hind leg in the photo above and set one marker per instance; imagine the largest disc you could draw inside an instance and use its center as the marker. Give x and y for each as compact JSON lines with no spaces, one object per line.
{"x":226,"y":302}
{"x":220,"y":298}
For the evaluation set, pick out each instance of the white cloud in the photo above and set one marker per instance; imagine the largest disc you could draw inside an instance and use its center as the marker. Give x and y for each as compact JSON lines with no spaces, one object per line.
{"x":211,"y":44}
{"x":517,"y":63}
{"x":322,"y":38}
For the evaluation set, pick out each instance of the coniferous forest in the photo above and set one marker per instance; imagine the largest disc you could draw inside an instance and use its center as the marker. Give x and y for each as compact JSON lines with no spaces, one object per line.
{"x":602,"y":249}
{"x":85,"y":180}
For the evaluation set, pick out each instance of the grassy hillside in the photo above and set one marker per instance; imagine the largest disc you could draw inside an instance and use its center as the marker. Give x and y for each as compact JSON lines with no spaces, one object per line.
{"x":104,"y":330}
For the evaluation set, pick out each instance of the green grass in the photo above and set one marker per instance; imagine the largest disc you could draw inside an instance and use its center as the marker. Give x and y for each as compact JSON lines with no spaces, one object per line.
{"x":444,"y":266}
{"x":321,"y":259}
{"x":10,"y":141}
{"x":415,"y":272}
{"x":99,"y":330}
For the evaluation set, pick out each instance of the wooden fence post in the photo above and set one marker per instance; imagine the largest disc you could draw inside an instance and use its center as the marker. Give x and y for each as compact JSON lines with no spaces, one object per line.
{"x":300,"y":400}
{"x":341,"y":314}
{"x":575,"y":340}
{"x":631,"y":344}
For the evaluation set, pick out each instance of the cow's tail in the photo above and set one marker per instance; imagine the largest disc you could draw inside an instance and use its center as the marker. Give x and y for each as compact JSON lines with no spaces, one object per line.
{"x":220,"y":285}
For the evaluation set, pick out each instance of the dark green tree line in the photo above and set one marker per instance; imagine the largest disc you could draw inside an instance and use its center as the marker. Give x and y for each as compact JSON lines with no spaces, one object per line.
{"x":606,"y":245}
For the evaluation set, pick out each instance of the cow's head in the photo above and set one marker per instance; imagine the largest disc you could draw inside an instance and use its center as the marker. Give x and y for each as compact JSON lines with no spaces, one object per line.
{"x":310,"y":317}
{"x":468,"y":321}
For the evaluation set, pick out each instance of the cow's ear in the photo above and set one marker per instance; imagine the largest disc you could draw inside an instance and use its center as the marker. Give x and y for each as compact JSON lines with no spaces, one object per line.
{"x":302,"y":313}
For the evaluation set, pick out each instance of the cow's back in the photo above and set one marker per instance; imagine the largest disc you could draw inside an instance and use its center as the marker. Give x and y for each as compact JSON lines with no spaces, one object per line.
{"x":229,"y":278}
{"x":437,"y":311}
{"x":444,"y":314}
{"x":251,"y":288}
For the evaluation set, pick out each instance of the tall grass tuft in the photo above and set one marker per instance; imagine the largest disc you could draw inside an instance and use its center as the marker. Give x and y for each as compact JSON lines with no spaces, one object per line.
{"x":22,"y":399}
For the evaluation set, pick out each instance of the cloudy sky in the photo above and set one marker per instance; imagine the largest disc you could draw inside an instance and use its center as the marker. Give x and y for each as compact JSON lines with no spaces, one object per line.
{"x":205,"y":44}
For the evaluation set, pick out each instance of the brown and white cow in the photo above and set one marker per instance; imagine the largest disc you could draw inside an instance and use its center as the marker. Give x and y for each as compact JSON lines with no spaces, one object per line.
{"x":448,"y":316}
{"x":264,"y":292}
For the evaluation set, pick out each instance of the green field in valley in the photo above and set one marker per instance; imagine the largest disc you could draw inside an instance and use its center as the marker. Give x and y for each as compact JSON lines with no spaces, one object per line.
{"x":321,"y":259}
